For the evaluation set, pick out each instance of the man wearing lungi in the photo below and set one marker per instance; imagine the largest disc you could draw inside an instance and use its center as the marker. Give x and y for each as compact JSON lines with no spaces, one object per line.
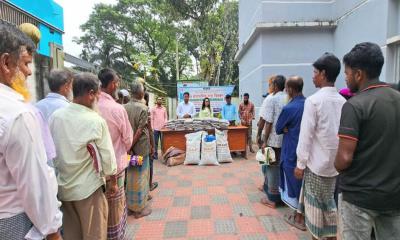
{"x":122,"y":137}
{"x":273,"y":109}
{"x":138,"y":176}
{"x":81,"y":174}
{"x":316,"y":150}
{"x":289,"y":125}
{"x":26,"y":181}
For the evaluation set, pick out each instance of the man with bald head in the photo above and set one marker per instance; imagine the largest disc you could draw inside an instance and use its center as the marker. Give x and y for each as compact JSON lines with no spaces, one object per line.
{"x":288,"y":124}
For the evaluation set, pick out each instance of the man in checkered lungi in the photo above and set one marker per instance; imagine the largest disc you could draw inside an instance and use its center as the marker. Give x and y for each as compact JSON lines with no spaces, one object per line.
{"x":316,"y":150}
{"x":27,"y":183}
{"x":122,"y":137}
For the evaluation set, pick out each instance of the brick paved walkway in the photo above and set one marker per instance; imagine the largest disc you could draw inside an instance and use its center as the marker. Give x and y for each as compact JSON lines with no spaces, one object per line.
{"x":211,"y":202}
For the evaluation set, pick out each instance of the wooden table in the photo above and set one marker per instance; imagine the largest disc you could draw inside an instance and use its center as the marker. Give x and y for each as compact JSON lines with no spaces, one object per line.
{"x":237,"y":139}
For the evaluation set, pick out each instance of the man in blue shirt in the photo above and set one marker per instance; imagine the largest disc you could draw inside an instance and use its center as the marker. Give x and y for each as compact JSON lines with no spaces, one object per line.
{"x":288,"y":123}
{"x":229,"y":111}
{"x":60,"y":84}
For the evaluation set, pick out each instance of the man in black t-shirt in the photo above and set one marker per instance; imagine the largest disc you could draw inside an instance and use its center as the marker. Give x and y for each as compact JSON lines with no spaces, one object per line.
{"x":368,"y":157}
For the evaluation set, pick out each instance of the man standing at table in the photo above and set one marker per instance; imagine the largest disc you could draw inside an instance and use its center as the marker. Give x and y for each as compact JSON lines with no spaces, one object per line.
{"x":246,"y":114}
{"x":186,"y":109}
{"x":159,"y":118}
{"x":229,"y":111}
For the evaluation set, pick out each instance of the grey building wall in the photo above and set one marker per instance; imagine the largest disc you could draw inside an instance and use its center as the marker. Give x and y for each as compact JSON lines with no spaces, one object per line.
{"x":286,"y":37}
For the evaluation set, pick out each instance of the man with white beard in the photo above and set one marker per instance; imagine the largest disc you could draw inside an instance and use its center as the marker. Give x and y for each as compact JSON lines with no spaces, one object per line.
{"x":28,"y":187}
{"x":76,"y":129}
{"x":60,"y":84}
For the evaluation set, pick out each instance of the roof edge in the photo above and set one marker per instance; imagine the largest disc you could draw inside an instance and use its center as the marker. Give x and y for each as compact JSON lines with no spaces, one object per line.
{"x":265,"y":26}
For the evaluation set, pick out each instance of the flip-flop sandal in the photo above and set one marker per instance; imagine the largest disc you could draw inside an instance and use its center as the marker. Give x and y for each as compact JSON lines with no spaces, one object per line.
{"x":289,"y":218}
{"x":154,"y":185}
{"x":143,"y":213}
{"x":268,"y":203}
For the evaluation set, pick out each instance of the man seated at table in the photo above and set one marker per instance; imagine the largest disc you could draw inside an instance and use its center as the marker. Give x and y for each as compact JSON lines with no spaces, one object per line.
{"x":186,"y":109}
{"x":229,"y":111}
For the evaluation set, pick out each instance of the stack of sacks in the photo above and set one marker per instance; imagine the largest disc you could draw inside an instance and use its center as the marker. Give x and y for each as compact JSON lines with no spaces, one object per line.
{"x":214,"y":149}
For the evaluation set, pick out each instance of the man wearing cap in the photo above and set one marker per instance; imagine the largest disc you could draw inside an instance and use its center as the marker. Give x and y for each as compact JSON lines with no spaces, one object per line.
{"x":123,"y":96}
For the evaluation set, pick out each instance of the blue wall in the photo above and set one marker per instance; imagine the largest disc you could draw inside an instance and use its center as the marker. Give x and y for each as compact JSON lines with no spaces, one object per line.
{"x":49,"y":12}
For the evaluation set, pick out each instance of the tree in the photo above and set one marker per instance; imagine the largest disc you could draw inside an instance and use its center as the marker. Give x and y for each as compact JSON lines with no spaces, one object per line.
{"x":140,"y":38}
{"x":212,"y":37}
{"x":135,"y":38}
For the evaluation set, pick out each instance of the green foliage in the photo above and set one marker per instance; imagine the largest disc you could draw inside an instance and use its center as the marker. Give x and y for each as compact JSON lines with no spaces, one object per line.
{"x":139,"y":38}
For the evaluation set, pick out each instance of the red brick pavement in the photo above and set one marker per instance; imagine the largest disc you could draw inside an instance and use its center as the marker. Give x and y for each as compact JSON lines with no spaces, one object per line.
{"x":211,"y":202}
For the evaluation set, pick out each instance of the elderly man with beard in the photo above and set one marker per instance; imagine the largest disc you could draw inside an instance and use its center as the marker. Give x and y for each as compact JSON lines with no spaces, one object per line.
{"x":80,"y":174}
{"x":137,"y":183}
{"x":26,"y":182}
{"x":122,"y":137}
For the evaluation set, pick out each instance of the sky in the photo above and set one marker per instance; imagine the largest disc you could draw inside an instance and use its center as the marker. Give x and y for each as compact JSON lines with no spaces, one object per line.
{"x":76,"y":12}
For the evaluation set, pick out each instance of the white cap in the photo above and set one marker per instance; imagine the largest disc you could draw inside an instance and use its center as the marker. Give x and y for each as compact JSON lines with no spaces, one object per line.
{"x":124,"y":92}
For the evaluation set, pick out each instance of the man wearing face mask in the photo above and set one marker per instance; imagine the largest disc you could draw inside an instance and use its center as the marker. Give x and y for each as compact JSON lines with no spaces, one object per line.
{"x":26,"y":182}
{"x":81,"y":183}
{"x":122,"y":137}
{"x":60,"y":84}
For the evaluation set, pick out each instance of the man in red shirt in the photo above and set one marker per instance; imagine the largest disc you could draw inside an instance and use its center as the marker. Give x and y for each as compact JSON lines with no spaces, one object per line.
{"x":159,"y":118}
{"x":246,"y":114}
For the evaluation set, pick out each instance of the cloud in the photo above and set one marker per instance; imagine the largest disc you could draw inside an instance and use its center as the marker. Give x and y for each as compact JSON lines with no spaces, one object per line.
{"x":76,"y":13}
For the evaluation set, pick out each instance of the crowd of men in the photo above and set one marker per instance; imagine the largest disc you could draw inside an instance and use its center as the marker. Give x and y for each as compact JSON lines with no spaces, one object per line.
{"x":335,"y":162}
{"x":64,"y":162}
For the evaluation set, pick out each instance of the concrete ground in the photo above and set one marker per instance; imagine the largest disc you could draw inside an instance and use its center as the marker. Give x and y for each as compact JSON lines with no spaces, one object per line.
{"x":212,"y":202}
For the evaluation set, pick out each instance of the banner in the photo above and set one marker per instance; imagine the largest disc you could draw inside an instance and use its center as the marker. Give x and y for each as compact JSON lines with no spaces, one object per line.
{"x":216,"y":94}
{"x":192,"y":84}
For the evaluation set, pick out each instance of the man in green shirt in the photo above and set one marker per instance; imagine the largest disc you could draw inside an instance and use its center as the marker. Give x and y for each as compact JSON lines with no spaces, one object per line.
{"x":137,"y":183}
{"x":81,"y":184}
